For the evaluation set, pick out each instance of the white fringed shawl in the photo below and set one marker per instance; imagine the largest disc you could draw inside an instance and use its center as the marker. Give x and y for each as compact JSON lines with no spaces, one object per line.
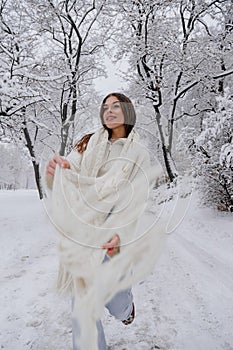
{"x":87,"y":211}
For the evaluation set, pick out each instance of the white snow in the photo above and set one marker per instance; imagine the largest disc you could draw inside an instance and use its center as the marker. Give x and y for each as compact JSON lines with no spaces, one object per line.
{"x":185,"y":304}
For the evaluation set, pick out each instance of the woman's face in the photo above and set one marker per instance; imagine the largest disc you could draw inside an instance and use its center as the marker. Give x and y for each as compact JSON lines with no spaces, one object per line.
{"x":113,"y":115}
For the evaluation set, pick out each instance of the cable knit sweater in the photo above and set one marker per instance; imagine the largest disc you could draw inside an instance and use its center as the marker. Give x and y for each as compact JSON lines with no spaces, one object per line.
{"x":103,"y":193}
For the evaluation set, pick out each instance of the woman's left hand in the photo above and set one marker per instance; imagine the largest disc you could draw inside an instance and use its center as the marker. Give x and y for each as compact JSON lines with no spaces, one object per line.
{"x":112,"y":246}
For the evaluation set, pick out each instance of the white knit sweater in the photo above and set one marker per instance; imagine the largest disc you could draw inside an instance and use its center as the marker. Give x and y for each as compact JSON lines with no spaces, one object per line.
{"x":103,"y":193}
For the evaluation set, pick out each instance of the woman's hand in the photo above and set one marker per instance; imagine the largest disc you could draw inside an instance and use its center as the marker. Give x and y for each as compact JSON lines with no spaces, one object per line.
{"x":56,"y":160}
{"x":112,"y":246}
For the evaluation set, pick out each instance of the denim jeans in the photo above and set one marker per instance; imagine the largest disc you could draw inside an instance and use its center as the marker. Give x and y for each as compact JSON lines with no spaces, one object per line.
{"x":120,"y":306}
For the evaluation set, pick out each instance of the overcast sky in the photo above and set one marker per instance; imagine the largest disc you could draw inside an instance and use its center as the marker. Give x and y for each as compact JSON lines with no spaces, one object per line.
{"x":114,"y":82}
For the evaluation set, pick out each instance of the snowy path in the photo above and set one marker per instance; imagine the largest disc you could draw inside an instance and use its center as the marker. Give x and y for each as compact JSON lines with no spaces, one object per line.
{"x":186,"y":304}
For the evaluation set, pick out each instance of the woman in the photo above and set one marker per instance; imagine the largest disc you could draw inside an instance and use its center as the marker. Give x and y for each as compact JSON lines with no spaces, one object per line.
{"x":118,"y":118}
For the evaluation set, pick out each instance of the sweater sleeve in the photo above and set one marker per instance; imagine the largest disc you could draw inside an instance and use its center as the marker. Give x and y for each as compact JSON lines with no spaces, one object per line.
{"x":74,"y":158}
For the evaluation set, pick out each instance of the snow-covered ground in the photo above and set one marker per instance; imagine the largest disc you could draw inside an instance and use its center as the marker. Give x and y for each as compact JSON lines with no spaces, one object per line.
{"x":185,"y":304}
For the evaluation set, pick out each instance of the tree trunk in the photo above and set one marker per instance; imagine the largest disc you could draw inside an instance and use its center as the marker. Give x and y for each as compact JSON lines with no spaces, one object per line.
{"x":67,"y":122}
{"x":37,"y":178}
{"x":64,"y":138}
{"x":168,"y":161}
{"x":36,"y":169}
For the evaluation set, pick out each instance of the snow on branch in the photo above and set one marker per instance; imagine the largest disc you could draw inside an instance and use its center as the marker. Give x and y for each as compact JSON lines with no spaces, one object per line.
{"x":192,"y":84}
{"x":226,"y":155}
{"x":223,"y":74}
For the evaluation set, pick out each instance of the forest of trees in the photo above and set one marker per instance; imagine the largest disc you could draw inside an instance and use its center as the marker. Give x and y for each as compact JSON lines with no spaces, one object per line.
{"x":179,"y":54}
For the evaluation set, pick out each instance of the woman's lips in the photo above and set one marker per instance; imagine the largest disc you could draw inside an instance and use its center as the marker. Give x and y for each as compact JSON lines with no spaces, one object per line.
{"x":110,"y":118}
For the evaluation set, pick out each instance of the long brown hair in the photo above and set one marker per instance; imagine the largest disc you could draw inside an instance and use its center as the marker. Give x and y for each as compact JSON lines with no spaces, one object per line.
{"x":127,"y":109}
{"x":129,"y":119}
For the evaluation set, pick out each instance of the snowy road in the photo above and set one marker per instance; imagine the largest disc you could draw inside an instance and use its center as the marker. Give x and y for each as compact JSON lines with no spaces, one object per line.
{"x":186,"y":304}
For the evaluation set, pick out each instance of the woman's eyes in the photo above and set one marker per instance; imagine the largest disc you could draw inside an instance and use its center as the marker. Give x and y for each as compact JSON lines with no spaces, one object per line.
{"x":115,"y":106}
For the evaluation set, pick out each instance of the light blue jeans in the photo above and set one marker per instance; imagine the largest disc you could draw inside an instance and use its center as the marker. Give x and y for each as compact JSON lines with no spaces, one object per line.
{"x":120,"y":306}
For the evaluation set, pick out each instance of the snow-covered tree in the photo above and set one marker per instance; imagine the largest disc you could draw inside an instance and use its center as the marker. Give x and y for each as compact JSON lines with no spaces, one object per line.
{"x":75,"y":33}
{"x":16,"y":171}
{"x":177,"y":60}
{"x":50,"y":54}
{"x":213,"y":157}
{"x":19,"y":95}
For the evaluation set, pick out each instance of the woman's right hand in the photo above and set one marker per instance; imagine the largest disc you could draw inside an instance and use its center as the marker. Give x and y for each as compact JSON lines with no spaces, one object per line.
{"x":56,"y":160}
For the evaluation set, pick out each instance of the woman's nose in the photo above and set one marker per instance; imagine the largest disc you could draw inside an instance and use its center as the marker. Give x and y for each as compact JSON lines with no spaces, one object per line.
{"x":109,"y":109}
